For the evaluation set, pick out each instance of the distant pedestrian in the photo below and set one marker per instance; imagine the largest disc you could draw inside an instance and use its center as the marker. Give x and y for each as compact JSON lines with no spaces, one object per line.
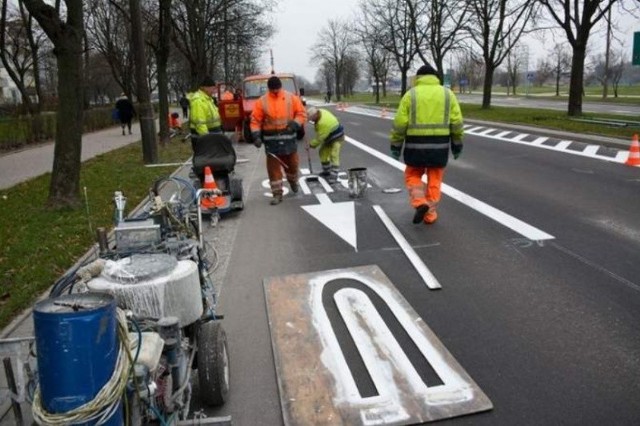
{"x":329,"y":137}
{"x":126,"y":112}
{"x":427,"y":123}
{"x":328,"y":96}
{"x":184,"y":103}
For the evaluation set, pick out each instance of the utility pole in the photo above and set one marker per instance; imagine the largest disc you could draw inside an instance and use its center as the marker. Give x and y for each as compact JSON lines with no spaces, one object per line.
{"x":145,"y":110}
{"x":605,"y":80}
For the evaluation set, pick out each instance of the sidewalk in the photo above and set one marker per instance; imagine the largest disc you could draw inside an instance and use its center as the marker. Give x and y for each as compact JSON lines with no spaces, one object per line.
{"x":17,"y":167}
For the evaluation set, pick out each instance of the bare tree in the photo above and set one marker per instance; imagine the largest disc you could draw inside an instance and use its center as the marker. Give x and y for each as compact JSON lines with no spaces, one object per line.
{"x":207,"y":31}
{"x":471,"y":70}
{"x":145,"y":110}
{"x":21,"y":42}
{"x":497,"y":26}
{"x":440,"y":25}
{"x":544,"y":71}
{"x":110,"y":34}
{"x":66,"y":34}
{"x":397,"y":37}
{"x":376,"y":58}
{"x":577,"y":19}
{"x":561,"y":63}
{"x":334,"y":47}
{"x":516,"y":58}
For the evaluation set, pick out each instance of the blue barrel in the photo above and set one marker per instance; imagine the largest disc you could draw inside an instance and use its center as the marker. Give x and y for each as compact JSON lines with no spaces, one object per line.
{"x":77,"y":349}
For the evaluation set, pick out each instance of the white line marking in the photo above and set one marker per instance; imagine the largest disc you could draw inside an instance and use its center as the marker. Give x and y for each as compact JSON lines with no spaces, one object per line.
{"x":486,"y":132}
{"x":540,"y":140}
{"x":591,"y":149}
{"x":520,"y":137}
{"x":475,"y":129}
{"x":499,"y":216}
{"x":501,"y":134}
{"x":429,"y":279}
{"x":563,"y":144}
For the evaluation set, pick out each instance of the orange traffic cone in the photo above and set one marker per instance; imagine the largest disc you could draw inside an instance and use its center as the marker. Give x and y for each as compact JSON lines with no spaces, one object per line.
{"x":634,"y":152}
{"x":210,"y":201}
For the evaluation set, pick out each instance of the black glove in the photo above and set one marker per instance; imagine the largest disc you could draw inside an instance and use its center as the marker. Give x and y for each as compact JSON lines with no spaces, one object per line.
{"x":257,"y":139}
{"x":293,"y":126}
{"x":456,"y":150}
{"x":395,"y":152}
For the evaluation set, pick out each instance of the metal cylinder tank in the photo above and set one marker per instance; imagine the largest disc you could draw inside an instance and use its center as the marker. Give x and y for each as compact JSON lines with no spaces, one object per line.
{"x":77,"y":349}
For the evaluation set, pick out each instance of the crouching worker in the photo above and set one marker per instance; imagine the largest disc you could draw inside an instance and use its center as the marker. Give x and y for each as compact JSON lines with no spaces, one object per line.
{"x":175,"y":126}
{"x":275,"y":121}
{"x":329,"y":137}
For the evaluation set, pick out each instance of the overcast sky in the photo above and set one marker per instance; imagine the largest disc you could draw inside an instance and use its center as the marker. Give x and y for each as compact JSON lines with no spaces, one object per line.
{"x":298,"y":23}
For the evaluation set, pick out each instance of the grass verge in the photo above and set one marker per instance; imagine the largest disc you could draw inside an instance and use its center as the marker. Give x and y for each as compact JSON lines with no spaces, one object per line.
{"x":39,"y":245}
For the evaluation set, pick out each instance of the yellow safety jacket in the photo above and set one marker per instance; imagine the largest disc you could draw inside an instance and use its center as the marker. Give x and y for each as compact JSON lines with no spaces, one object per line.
{"x":328,"y":129}
{"x":427,"y":122}
{"x":204,"y":116}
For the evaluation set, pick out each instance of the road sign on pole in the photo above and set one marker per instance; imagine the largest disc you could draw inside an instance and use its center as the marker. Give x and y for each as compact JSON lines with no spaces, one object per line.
{"x":635,"y":59}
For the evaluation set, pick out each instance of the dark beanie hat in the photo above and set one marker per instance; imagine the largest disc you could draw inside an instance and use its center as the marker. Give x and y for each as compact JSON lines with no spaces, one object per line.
{"x":426,"y":69}
{"x":274,"y":83}
{"x":208,"y":81}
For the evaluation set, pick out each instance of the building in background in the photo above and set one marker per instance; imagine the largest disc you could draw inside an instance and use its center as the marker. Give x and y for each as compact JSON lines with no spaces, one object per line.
{"x":9,"y":93}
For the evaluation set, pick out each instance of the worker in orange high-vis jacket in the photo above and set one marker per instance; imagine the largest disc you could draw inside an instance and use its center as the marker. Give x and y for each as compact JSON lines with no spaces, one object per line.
{"x":277,"y":117}
{"x":428,"y":122}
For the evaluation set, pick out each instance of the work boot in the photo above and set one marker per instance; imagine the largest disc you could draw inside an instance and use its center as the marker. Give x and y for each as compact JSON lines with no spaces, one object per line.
{"x":431,"y":217}
{"x":420,"y":212}
{"x":294,"y":187}
{"x":277,"y":199}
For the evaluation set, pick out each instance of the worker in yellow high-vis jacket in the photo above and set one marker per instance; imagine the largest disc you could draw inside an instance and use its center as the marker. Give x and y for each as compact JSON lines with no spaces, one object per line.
{"x":204,"y":116}
{"x":428,"y":122}
{"x":329,"y":137}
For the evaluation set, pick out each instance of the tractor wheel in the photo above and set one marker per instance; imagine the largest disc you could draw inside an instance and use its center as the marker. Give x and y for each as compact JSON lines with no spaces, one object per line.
{"x":213,"y":364}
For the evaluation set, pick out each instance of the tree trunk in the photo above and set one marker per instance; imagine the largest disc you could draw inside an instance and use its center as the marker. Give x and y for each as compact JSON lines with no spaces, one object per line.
{"x":558,"y":82}
{"x":145,"y":109}
{"x":577,"y":81}
{"x":162,"y":58}
{"x":486,"y":90}
{"x":64,"y":189}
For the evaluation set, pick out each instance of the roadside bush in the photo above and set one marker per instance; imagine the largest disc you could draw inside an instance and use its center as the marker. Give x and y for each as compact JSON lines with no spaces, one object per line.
{"x":16,"y":132}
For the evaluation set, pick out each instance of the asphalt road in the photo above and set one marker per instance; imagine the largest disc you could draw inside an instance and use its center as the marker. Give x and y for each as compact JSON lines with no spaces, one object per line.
{"x":536,"y":250}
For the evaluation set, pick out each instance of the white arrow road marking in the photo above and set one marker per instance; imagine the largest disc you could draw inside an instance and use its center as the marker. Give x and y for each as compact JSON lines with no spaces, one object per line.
{"x":429,"y":279}
{"x":338,"y":217}
{"x":499,"y":216}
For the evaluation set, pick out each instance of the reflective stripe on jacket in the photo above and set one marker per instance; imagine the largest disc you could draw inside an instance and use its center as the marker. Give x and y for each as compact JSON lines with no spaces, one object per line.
{"x":327,"y":128}
{"x":270,"y":116}
{"x":204,"y":116}
{"x":427,"y":121}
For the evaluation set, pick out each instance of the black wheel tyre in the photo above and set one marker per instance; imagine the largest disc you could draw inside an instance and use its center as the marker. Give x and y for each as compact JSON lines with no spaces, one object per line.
{"x":213,"y":364}
{"x":235,"y":185}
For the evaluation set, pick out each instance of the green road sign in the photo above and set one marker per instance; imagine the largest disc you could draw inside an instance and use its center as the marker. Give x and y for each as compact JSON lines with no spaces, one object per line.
{"x":635,"y":59}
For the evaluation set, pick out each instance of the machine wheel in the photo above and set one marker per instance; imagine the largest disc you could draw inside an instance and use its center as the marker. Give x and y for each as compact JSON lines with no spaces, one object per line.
{"x":213,"y":364}
{"x":235,"y":188}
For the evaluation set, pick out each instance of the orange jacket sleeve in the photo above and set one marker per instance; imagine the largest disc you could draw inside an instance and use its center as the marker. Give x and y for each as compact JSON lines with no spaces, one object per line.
{"x":257,"y":116}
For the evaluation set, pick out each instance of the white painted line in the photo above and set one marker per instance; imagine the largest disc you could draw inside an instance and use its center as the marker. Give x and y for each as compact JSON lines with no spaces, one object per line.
{"x":475,"y":129}
{"x":486,"y":132}
{"x":502,"y":134}
{"x":520,"y":137}
{"x":563,"y":145}
{"x":340,"y":218}
{"x":424,"y":272}
{"x":591,"y":149}
{"x":540,"y":140}
{"x":622,"y":156}
{"x":499,"y":216}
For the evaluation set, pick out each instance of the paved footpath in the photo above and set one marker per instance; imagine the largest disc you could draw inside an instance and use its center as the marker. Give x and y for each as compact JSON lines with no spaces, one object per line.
{"x":17,"y":167}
